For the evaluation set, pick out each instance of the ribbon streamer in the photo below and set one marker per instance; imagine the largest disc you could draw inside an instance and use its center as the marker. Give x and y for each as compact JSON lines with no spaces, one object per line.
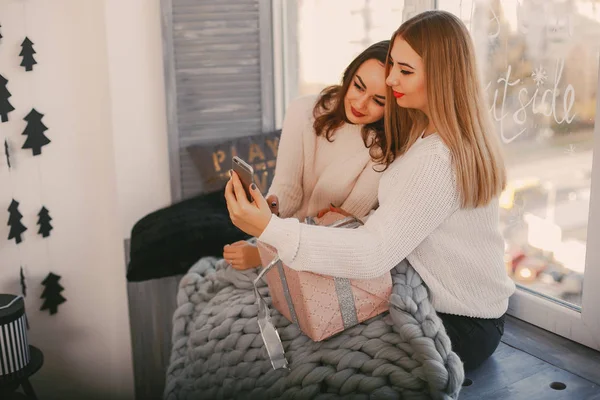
{"x":267,"y":329}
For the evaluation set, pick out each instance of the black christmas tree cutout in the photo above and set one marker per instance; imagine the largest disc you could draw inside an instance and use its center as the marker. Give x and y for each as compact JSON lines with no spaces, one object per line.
{"x":6,"y":153}
{"x":51,"y":293}
{"x":35,"y":132}
{"x":5,"y":106}
{"x":44,"y":222}
{"x":27,"y":53}
{"x":23,"y":285}
{"x":14,"y":221}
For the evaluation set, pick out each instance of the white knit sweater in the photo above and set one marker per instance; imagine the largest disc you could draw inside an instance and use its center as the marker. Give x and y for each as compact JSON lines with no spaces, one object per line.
{"x":312,"y":172}
{"x":457,"y":252}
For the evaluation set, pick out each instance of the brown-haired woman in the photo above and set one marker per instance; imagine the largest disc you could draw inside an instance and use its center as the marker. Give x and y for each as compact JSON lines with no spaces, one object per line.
{"x":326,"y":151}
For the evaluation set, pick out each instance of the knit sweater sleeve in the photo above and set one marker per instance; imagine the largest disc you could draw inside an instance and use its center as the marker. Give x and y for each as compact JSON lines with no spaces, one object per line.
{"x":289,"y":169}
{"x":418,"y":196}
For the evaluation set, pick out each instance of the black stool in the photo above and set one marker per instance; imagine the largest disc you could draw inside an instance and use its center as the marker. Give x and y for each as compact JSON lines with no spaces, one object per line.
{"x":10,"y":383}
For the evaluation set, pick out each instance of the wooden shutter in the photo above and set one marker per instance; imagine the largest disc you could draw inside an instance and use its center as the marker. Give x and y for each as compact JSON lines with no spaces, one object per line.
{"x":218,"y":77}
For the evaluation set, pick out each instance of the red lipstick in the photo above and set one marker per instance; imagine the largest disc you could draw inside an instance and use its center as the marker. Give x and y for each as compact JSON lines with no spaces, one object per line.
{"x":398,"y":94}
{"x":356,"y":113}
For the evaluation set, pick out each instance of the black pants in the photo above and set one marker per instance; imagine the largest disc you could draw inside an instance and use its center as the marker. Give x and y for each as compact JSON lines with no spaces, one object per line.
{"x":473,"y":339}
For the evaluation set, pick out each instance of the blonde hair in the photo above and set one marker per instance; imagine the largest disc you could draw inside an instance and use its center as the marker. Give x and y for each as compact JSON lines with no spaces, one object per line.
{"x":456,"y":107}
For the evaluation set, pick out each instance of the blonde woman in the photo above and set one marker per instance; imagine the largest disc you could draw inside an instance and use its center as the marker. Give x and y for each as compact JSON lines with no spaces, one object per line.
{"x":438,"y":197}
{"x":328,"y":143}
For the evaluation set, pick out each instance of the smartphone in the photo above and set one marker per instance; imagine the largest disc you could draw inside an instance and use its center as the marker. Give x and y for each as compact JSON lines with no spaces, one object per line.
{"x":246,"y":174}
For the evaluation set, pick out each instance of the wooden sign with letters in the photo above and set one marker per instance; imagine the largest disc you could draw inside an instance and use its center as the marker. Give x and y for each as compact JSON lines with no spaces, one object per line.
{"x":213,"y":161}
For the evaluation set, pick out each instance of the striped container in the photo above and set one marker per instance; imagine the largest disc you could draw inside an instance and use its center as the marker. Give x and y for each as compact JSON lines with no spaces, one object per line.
{"x":14,"y":346}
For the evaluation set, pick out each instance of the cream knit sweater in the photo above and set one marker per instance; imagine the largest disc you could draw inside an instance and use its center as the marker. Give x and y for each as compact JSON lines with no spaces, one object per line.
{"x":458,"y":252}
{"x":312,"y":172}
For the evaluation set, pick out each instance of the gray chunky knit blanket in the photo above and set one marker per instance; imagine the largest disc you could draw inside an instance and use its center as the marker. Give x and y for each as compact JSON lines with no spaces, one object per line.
{"x":218,"y":352}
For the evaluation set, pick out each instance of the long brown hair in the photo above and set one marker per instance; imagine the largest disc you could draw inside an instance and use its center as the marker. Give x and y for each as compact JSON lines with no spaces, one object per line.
{"x":329,"y":111}
{"x":457,"y":107}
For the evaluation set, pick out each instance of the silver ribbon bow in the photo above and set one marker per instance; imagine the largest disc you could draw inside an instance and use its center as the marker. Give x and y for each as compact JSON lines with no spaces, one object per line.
{"x":343,"y":289}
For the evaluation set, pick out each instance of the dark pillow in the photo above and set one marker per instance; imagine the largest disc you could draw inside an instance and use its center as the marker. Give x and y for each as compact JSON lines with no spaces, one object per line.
{"x":170,"y":240}
{"x":213,"y":160}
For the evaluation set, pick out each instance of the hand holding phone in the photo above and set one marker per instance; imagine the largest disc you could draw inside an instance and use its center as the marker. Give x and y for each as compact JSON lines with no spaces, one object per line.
{"x":245,"y":173}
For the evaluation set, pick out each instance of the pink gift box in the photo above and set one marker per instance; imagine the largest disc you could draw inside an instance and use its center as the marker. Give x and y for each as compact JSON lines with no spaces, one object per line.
{"x":323,"y":305}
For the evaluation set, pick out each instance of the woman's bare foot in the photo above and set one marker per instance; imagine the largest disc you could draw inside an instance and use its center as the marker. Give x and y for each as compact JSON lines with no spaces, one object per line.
{"x":242,"y":255}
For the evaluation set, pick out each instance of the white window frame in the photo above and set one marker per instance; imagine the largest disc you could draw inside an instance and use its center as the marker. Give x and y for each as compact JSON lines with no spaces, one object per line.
{"x":578,"y":324}
{"x":581,"y":325}
{"x":285,"y":55}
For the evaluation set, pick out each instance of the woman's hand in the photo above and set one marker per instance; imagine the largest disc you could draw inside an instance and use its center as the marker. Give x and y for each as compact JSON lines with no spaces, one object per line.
{"x":334,"y":209}
{"x":251,"y":218}
{"x":323,"y":212}
{"x":339,"y":211}
{"x":273,"y":202}
{"x":242,"y":255}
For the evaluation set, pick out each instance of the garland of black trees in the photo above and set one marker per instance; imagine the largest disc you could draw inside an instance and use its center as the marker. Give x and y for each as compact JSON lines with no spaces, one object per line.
{"x":35,"y":140}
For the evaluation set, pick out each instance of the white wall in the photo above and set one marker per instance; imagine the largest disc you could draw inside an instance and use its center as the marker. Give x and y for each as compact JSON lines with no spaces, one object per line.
{"x":135,"y":64}
{"x":99,"y":84}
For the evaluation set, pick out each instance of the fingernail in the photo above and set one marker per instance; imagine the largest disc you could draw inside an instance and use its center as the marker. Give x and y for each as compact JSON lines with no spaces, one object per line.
{"x":230,"y":172}
{"x":253,"y":186}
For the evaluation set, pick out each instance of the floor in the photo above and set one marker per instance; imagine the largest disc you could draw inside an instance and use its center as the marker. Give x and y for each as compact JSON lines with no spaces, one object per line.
{"x":529,"y":364}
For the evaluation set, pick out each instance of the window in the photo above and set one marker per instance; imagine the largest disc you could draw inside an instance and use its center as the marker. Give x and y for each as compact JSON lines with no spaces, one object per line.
{"x":539,"y":60}
{"x":330,"y":36}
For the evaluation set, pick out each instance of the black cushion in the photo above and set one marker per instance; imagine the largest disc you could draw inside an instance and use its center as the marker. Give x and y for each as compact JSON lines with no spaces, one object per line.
{"x":169,"y":241}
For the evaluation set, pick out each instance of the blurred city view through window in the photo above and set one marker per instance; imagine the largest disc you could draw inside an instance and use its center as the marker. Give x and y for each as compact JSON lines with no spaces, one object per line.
{"x":539,"y":64}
